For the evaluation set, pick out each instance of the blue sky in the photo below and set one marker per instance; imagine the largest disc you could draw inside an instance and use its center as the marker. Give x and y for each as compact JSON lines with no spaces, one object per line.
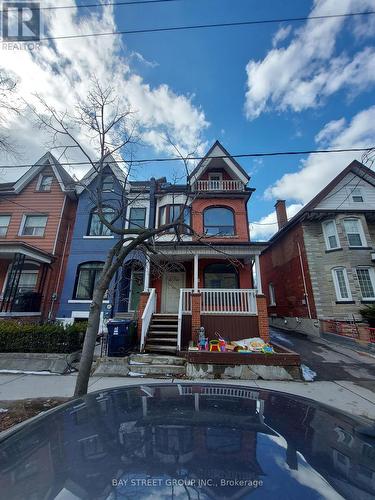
{"x":284,"y":86}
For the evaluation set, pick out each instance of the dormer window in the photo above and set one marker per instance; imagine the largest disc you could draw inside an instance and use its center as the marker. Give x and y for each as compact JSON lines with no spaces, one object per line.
{"x":108,"y":183}
{"x":45,"y":183}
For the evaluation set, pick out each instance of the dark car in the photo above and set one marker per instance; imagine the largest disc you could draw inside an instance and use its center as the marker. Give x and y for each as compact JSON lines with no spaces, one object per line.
{"x":191,"y":441}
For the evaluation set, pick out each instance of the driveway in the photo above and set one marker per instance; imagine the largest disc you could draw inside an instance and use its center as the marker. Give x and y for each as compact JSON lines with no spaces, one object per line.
{"x":330,"y":361}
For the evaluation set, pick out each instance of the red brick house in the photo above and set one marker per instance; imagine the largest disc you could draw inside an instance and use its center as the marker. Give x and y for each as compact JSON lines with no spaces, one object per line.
{"x":318,"y":269}
{"x":37,"y":215}
{"x":205,"y":278}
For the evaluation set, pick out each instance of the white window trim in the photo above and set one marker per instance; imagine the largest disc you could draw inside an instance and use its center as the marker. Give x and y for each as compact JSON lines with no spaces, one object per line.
{"x":23,"y":221}
{"x":339,"y":298}
{"x":324,"y":224}
{"x":272,"y":294}
{"x":39,"y":183}
{"x":92,"y":237}
{"x":78,"y":301}
{"x":350,"y":194}
{"x":361,"y":232}
{"x":135,"y":205}
{"x":216,"y":174}
{"x":372,"y":278}
{"x":10,"y":218}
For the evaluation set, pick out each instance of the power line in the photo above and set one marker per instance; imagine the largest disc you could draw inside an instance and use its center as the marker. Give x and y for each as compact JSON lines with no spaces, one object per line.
{"x":207,"y":26}
{"x":198,"y":158}
{"x":90,"y":5}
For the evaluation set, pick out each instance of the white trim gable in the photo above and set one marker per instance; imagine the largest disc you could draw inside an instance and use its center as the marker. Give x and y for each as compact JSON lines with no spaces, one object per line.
{"x":217,"y":152}
{"x":92,"y":173}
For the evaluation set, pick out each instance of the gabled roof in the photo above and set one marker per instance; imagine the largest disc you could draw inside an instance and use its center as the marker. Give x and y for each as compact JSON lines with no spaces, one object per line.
{"x":65,"y":181}
{"x":355,"y":167}
{"x":228,"y":159}
{"x":92,"y":173}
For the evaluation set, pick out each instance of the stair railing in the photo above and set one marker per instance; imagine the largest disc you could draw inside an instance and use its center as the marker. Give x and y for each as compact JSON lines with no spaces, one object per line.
{"x":147,"y":316}
{"x":179,"y":324}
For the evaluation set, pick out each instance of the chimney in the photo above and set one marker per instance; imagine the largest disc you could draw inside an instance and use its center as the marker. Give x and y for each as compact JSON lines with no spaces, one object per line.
{"x":282,"y":218}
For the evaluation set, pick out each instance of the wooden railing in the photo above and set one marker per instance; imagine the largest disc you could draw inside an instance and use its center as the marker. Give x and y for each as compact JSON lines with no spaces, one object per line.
{"x":147,"y":316}
{"x":224,"y":185}
{"x":228,"y":301}
{"x":221,"y":301}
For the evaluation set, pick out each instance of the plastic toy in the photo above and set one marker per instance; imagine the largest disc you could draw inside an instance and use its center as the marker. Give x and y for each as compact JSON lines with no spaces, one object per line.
{"x":214,"y":346}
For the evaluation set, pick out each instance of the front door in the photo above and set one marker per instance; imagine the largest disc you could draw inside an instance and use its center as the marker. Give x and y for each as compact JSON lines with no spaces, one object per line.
{"x":172,"y":282}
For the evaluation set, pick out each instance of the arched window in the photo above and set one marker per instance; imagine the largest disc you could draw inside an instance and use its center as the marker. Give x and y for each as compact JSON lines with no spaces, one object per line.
{"x":87,"y":277}
{"x":108,"y":183}
{"x":218,"y":221}
{"x":220,"y":275}
{"x":96,"y":227}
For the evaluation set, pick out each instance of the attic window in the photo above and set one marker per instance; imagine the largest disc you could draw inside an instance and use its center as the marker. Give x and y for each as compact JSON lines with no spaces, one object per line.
{"x":108,"y":183}
{"x":45,"y":183}
{"x":356,"y":194}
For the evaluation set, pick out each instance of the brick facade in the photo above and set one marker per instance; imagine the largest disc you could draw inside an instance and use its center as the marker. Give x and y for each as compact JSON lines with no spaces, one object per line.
{"x":195,"y":316}
{"x":143,"y":298}
{"x":263,"y":325}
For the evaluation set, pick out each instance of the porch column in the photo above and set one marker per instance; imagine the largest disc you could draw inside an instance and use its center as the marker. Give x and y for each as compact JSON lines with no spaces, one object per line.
{"x":263,"y":324}
{"x":147,"y":274}
{"x":196,"y":261}
{"x":195,"y":316}
{"x":259,"y":278}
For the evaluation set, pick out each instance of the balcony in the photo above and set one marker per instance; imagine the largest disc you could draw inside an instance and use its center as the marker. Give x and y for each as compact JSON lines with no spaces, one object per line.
{"x":223,"y":185}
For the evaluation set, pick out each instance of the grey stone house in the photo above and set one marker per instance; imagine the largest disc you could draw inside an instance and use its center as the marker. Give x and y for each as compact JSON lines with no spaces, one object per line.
{"x":320,"y":265}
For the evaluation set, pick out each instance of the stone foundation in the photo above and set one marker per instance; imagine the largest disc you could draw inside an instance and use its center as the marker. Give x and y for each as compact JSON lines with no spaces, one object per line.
{"x":242,"y":372}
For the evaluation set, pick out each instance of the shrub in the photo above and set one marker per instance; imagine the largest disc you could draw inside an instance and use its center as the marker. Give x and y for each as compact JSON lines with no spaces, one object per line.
{"x":50,"y":337}
{"x":368,"y":314}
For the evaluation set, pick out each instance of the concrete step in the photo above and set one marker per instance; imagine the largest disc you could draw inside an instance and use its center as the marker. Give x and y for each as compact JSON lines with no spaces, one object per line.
{"x":167,"y":322}
{"x":165,"y":315}
{"x":158,"y":370}
{"x":154,"y":359}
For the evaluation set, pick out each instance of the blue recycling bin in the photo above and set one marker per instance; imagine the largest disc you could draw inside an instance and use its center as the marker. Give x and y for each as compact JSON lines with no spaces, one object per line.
{"x":121,"y":337}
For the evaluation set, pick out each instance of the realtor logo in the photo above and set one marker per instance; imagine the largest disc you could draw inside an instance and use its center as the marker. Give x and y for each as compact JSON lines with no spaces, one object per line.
{"x":20,"y":21}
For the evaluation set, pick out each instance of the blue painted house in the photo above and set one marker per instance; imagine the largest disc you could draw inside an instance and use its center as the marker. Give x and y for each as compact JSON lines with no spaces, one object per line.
{"x":91,"y":242}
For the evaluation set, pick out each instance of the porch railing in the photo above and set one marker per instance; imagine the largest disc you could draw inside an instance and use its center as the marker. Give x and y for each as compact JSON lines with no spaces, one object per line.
{"x":228,"y":301}
{"x":147,"y":316}
{"x":223,"y":185}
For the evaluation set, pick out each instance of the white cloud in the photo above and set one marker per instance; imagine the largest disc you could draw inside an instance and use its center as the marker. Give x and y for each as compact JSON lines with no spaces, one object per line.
{"x":305,"y":72}
{"x":319,"y":169}
{"x":281,"y":34}
{"x":60,"y":72}
{"x":266,"y":227}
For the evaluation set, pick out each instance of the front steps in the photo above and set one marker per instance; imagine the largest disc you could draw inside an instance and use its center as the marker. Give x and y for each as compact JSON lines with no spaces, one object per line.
{"x":162,"y":334}
{"x":153,"y":365}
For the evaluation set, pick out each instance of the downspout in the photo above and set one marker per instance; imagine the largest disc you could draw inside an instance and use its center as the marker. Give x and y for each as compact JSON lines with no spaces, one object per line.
{"x":54,"y":297}
{"x":304,"y":280}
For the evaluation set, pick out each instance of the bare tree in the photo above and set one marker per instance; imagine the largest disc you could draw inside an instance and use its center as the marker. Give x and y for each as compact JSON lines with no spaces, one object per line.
{"x":7,"y":104}
{"x":107,"y":128}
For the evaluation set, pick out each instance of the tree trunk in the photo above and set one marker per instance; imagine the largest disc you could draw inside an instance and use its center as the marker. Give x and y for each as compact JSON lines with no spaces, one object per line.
{"x":89,"y":343}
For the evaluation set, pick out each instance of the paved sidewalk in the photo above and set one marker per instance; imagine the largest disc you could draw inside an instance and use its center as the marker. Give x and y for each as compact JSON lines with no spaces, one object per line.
{"x":343,"y":395}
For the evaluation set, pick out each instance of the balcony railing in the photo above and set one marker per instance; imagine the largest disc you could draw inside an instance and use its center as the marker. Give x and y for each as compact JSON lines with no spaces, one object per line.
{"x":221,"y":301}
{"x":224,"y":185}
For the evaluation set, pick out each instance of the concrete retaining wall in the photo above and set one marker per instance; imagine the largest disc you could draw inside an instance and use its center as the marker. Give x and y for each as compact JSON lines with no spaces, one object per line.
{"x":37,"y":362}
{"x":242,"y":372}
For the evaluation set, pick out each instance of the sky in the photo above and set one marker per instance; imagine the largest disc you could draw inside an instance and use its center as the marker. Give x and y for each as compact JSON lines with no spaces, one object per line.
{"x":271,"y":87}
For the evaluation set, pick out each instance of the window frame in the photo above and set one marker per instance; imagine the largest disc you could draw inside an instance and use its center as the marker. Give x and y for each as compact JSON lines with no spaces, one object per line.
{"x":231,"y":270}
{"x":219,"y":235}
{"x":7,"y":226}
{"x":92,"y":285}
{"x":326,"y":236}
{"x":40,"y":183}
{"x":272,"y":295}
{"x":23,"y":225}
{"x":104,"y":181}
{"x":372,"y":279}
{"x":165,"y":216}
{"x":94,"y":212}
{"x":137,"y":226}
{"x":339,"y":297}
{"x":351,"y":194}
{"x":360,"y":232}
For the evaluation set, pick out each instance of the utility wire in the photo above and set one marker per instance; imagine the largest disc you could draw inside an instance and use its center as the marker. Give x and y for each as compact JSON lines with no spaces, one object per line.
{"x":196,"y":158}
{"x":91,"y":5}
{"x":207,"y":26}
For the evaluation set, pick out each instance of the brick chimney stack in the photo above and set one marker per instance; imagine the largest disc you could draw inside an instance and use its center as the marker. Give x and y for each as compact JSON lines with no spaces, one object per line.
{"x":281,"y":215}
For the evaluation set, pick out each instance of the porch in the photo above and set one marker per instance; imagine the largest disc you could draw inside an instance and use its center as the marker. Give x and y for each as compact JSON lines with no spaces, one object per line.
{"x":23,"y":271}
{"x":228,"y":304}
